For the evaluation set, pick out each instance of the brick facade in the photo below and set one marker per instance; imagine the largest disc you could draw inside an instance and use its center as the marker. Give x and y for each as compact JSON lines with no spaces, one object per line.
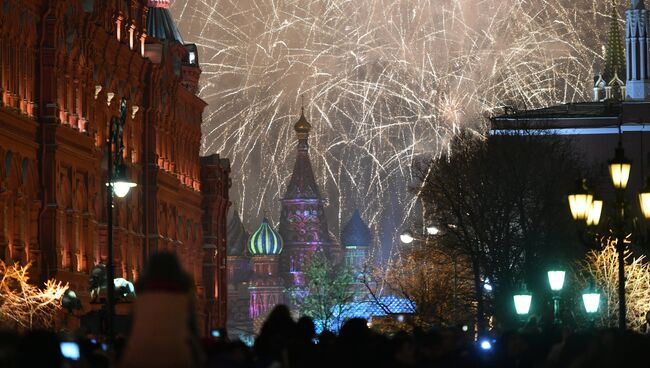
{"x":65,"y":65}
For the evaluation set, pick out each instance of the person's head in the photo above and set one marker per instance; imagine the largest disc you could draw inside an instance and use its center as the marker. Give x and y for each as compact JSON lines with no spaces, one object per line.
{"x":354,"y":330}
{"x":305,"y":329}
{"x":164,"y":267}
{"x":278,"y":321}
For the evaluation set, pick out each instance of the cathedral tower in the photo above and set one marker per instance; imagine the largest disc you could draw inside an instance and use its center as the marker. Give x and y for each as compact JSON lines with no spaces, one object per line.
{"x":303,"y":225}
{"x":266,"y":287}
{"x":239,"y":274}
{"x":637,"y":42}
{"x":357,"y":240}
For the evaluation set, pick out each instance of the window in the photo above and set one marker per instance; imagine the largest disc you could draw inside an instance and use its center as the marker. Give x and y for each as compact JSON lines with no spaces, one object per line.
{"x":25,"y":170}
{"x":8,"y":157}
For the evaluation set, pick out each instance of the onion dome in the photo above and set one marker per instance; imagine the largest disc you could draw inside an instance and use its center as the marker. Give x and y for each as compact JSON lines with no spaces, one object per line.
{"x":356,"y":233}
{"x":237,"y":235}
{"x":302,"y":126}
{"x":265,"y":241}
{"x":160,"y":23}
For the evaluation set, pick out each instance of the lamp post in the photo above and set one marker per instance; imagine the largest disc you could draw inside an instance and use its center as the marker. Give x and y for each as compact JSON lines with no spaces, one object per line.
{"x":591,"y":301}
{"x":556,"y":281}
{"x":585,"y":208}
{"x":522,"y":303}
{"x":118,"y":184}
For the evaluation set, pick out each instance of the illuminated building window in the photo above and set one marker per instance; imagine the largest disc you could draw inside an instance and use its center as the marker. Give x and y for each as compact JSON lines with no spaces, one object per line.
{"x":118,"y":30}
{"x":142,"y":38}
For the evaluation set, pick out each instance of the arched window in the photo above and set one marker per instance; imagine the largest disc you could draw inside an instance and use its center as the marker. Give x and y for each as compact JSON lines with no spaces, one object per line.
{"x":25,"y":170}
{"x":8,"y":157}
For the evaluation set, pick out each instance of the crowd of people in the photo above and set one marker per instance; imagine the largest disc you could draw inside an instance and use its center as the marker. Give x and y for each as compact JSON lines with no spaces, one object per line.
{"x":164,"y":334}
{"x":285,"y":343}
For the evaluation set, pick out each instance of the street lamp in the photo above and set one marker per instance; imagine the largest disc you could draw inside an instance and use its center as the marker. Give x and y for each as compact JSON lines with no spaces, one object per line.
{"x":619,"y":168}
{"x":595,"y":210}
{"x":580,"y":200}
{"x":432,"y":230}
{"x":406,"y":237}
{"x":585,"y":208}
{"x":591,"y":301}
{"x":556,"y":281}
{"x":522,"y":303}
{"x":644,"y":199}
{"x":119,"y":185}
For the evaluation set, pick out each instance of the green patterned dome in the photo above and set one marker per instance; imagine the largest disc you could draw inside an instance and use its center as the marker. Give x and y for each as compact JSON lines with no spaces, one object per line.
{"x":265,"y":241}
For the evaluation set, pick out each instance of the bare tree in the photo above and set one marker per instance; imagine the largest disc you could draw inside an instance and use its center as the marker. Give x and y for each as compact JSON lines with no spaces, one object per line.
{"x":601,"y":268}
{"x":436,"y":282}
{"x":25,"y":305}
{"x":500,"y":202}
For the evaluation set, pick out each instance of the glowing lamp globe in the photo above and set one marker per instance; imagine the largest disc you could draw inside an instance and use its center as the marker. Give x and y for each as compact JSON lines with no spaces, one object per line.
{"x":619,"y":169}
{"x":432,"y":230}
{"x":644,"y":200}
{"x":121,"y":183}
{"x":486,"y":345}
{"x":593,"y":215}
{"x":522,"y":303}
{"x":580,"y":201}
{"x":556,"y":279}
{"x":406,"y":237}
{"x":122,"y":188}
{"x":591,"y":301}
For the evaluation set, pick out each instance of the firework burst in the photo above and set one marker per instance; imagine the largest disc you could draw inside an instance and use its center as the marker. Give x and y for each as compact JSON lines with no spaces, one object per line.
{"x":384,"y":82}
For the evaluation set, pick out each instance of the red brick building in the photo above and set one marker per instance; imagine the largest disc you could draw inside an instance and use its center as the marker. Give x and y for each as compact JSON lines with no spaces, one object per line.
{"x":65,"y":65}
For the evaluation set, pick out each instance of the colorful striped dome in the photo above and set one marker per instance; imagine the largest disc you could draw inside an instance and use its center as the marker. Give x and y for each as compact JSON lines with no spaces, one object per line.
{"x":265,"y":241}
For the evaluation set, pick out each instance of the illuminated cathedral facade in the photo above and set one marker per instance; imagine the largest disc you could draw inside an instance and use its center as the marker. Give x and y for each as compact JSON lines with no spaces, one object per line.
{"x":264,"y":265}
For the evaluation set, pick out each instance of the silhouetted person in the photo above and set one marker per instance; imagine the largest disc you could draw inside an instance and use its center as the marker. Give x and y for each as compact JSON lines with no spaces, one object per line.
{"x":38,"y":349}
{"x":302,"y":351}
{"x":353,"y":343}
{"x":164,"y":332}
{"x":277,"y":333}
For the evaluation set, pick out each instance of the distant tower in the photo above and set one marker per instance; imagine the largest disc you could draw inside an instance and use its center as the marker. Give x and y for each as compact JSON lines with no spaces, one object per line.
{"x":637,"y":42}
{"x":160,"y":23}
{"x":356,"y":238}
{"x":266,"y":286}
{"x":610,"y":84}
{"x":239,"y":273}
{"x":303,"y":225}
{"x":238,"y":259}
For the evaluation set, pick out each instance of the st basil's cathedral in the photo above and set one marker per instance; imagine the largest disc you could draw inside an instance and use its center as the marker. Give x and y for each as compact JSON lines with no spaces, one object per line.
{"x":262,"y":266}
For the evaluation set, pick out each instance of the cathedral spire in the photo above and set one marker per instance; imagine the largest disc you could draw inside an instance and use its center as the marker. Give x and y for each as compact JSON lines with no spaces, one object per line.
{"x":303,"y":224}
{"x":637,"y":41}
{"x":302,"y":184}
{"x":615,"y":51}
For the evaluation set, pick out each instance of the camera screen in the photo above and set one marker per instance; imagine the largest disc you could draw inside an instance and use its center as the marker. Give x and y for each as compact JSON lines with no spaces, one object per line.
{"x":70,"y":350}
